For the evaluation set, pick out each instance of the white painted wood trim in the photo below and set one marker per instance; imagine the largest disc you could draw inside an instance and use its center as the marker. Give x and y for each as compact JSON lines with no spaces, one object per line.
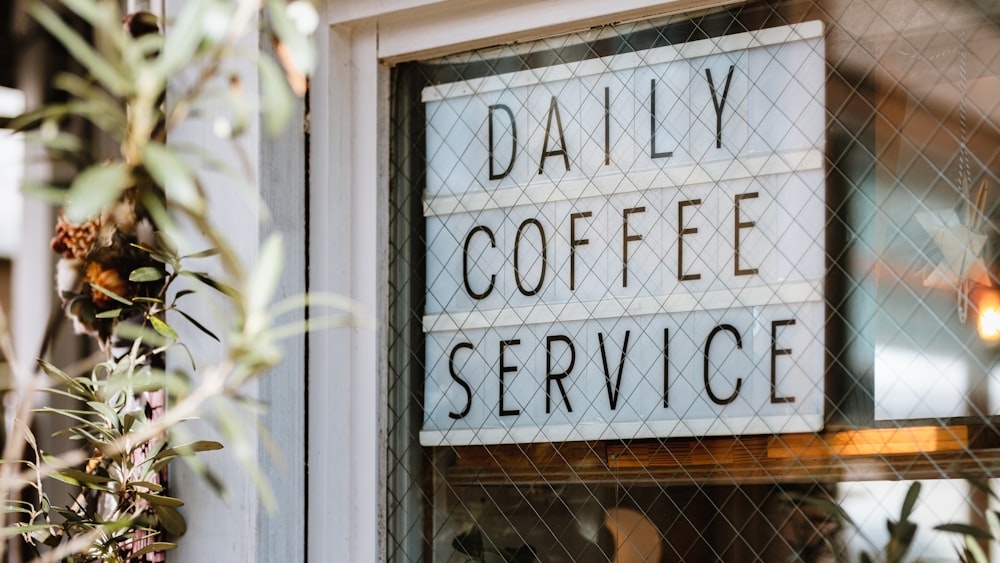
{"x":346,"y":489}
{"x":457,"y":25}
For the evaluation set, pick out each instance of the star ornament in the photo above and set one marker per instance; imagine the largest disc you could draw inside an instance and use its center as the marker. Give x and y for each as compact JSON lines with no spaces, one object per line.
{"x":961,"y":251}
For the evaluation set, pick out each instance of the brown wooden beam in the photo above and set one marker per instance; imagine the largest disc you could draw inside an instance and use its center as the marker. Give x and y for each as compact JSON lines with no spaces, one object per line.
{"x":850,"y":455}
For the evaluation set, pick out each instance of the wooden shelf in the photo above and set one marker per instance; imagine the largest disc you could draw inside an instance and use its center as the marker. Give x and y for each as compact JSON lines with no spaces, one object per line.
{"x":850,"y":455}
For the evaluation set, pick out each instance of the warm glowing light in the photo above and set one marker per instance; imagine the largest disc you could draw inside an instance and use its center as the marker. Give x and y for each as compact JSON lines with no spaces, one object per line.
{"x":989,"y":315}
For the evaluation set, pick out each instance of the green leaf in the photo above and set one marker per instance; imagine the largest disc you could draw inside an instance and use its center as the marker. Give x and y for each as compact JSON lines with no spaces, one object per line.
{"x":163,"y":328}
{"x":155,"y":487}
{"x":84,"y":423}
{"x":266,"y":273}
{"x":147,"y":380}
{"x":153,"y":253}
{"x":112,"y":314}
{"x":31,"y":119}
{"x":48,"y":193}
{"x":900,"y":538}
{"x":974,"y":549}
{"x":198,"y":325}
{"x":203,"y":254}
{"x":243,"y":444}
{"x":828,"y":507}
{"x":165,"y":245}
{"x":130,"y":331}
{"x":72,"y":384}
{"x":910,"y":501}
{"x":965,"y":530}
{"x":147,"y":46}
{"x":201,"y":469}
{"x":993,"y":519}
{"x":194,"y":447}
{"x":161,"y":500}
{"x":108,"y":112}
{"x":68,"y":514}
{"x":128,"y":421}
{"x":174,"y":176}
{"x":277,"y":100}
{"x":112,"y":295}
{"x":17,"y":510}
{"x":25,"y":529}
{"x":212,"y":283}
{"x":154,"y":547}
{"x":186,"y":451}
{"x":81,"y":478}
{"x":102,"y":444}
{"x":187,"y":352}
{"x":316,"y":299}
{"x":314,"y":324}
{"x":107,"y":119}
{"x":94,"y":13}
{"x":182,"y":293}
{"x":170,"y":519}
{"x":976,"y":482}
{"x":93,"y":189}
{"x":182,"y":42}
{"x":470,"y":543}
{"x":81,"y":50}
{"x":300,"y":46}
{"x":109,"y":414}
{"x":158,"y":213}
{"x":145,"y":274}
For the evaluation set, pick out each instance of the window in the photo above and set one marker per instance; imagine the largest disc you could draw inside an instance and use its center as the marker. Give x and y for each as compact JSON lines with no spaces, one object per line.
{"x":654,"y":284}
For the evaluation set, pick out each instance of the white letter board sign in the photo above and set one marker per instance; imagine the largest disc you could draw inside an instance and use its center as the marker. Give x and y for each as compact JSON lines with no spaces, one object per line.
{"x":629,"y":246}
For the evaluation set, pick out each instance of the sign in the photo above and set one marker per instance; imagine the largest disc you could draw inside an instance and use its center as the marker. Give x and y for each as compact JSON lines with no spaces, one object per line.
{"x":629,"y":246}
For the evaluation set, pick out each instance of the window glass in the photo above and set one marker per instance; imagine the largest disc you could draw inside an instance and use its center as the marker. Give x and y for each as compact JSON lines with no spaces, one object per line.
{"x":718,"y":286}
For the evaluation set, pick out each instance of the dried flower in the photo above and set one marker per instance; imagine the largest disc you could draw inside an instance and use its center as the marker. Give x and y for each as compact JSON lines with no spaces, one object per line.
{"x":106,"y":276}
{"x":75,"y":241}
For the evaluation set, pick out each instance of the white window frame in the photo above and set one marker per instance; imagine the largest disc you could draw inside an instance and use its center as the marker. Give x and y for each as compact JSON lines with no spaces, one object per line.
{"x":349,"y":140}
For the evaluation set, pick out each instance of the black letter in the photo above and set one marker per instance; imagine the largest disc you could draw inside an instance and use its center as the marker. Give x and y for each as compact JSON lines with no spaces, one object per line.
{"x":459,"y":380}
{"x":517,"y":254}
{"x":736,"y":236}
{"x":573,"y":243}
{"x":739,"y":381}
{"x":613,"y":396}
{"x":550,"y":376}
{"x":775,"y":352}
{"x":627,"y":238}
{"x":465,"y":262}
{"x":681,"y":231}
{"x":504,"y":368}
{"x":513,"y":142}
{"x":652,"y":124}
{"x":719,"y":104}
{"x":553,"y":109}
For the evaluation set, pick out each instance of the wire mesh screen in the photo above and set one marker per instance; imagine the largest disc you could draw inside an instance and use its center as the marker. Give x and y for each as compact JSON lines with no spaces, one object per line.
{"x":718,"y":286}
